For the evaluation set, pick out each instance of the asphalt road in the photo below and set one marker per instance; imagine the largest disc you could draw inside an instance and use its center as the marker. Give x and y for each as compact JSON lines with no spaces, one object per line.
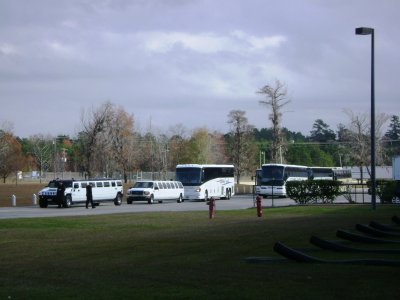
{"x":236,"y":202}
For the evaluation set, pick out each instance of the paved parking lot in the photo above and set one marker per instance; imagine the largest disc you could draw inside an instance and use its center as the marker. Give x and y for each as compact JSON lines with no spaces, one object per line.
{"x":236,"y":202}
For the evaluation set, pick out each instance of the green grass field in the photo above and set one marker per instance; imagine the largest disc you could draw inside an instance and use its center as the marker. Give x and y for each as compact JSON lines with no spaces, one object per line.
{"x":188,"y":256}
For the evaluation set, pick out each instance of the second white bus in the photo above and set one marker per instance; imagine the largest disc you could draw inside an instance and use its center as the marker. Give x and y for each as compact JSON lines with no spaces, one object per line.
{"x":202,"y":182}
{"x":271,"y":179}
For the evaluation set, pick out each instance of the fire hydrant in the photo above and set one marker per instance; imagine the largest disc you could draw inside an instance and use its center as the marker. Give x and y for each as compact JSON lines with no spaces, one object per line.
{"x":211,"y":207}
{"x":259,"y":206}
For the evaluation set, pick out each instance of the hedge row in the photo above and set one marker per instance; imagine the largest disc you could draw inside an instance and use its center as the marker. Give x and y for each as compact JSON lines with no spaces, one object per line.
{"x":313,"y":191}
{"x":386,"y":189}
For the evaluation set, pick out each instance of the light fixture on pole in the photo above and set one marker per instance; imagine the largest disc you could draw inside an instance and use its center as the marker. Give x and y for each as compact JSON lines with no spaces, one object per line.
{"x":370,"y":31}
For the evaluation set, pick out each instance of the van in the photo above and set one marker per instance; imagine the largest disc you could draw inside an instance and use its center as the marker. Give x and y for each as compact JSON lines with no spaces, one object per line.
{"x":159,"y":191}
{"x":103,"y":190}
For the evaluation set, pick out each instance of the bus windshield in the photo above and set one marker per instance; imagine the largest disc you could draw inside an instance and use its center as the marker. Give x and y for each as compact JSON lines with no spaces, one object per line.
{"x":272,"y":175}
{"x":188,"y":176}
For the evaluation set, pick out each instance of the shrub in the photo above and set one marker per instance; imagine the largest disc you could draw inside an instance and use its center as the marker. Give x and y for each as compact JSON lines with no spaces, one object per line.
{"x":385,"y":189}
{"x":314,"y":191}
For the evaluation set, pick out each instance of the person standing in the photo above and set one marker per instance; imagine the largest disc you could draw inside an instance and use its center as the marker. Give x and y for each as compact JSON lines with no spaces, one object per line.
{"x":89,"y":195}
{"x":60,"y":194}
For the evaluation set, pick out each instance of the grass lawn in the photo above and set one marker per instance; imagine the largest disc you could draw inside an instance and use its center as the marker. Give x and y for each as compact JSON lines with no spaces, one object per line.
{"x":188,"y":256}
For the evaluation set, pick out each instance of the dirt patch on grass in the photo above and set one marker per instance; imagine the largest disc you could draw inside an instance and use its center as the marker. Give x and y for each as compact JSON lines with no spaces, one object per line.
{"x":24,"y":193}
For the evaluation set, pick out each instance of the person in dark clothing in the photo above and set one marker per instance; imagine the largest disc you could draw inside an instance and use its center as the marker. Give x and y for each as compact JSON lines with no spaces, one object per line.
{"x":89,"y":196}
{"x":60,"y":194}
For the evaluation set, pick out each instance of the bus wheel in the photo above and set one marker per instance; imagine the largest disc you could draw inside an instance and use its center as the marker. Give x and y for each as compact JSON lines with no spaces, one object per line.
{"x":67,"y":201}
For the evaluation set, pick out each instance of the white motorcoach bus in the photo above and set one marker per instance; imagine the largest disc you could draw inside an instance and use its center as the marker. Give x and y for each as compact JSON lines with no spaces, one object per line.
{"x":103,"y":190}
{"x":272,"y":178}
{"x":330,"y":173}
{"x":202,"y":182}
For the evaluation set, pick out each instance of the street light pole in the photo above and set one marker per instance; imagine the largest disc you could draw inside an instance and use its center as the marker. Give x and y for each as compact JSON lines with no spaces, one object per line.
{"x":371,"y":31}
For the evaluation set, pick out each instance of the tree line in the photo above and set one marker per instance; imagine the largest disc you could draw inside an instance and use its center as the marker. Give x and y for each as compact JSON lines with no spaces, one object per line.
{"x":109,"y":144}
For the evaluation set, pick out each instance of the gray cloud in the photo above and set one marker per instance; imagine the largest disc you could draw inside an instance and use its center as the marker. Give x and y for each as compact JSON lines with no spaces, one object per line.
{"x":192,"y":61}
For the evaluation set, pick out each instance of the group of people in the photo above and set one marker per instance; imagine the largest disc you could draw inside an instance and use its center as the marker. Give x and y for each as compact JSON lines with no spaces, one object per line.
{"x":61,"y":195}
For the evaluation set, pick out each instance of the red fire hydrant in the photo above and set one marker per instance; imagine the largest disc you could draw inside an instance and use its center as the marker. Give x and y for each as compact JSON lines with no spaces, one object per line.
{"x":211,"y":207}
{"x":259,"y":206}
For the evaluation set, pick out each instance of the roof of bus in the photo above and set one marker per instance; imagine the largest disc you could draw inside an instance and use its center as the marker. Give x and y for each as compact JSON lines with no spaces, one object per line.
{"x":284,"y":165}
{"x":204,"y":166}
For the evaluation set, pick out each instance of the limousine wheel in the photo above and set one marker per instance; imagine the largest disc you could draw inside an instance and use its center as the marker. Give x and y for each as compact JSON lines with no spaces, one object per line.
{"x":43,"y":203}
{"x":179,"y":199}
{"x":68,"y":201}
{"x":151,"y":200}
{"x":118,"y":200}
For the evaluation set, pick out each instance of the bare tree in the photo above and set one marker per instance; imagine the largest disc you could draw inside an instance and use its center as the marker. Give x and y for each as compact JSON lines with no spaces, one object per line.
{"x":241,"y":143}
{"x":95,"y":124}
{"x":276,"y":98}
{"x":121,"y":135}
{"x":358,"y":135}
{"x":41,"y":151}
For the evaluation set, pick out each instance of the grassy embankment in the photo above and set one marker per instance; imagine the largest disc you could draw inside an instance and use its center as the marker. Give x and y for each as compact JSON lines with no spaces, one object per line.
{"x":188,"y":256}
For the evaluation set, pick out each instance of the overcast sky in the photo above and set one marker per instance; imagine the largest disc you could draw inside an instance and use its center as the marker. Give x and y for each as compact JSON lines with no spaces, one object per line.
{"x":191,"y":62}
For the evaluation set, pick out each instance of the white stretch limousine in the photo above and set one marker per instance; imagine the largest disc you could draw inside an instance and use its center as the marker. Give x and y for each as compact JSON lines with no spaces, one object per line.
{"x":151,"y":191}
{"x":75,"y":191}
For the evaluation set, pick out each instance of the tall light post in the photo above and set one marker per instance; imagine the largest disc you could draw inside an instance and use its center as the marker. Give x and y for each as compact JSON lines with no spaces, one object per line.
{"x":370,"y":31}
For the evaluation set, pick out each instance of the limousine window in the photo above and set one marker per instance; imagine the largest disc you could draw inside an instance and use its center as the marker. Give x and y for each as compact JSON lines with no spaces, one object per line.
{"x":113,"y":183}
{"x":76,"y":185}
{"x":106,"y":184}
{"x":119,"y":183}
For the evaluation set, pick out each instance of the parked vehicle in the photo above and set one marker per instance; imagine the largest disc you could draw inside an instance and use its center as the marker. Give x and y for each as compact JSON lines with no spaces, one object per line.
{"x":152,"y":191}
{"x":202,"y":182}
{"x":271,"y":179}
{"x":103,"y":190}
